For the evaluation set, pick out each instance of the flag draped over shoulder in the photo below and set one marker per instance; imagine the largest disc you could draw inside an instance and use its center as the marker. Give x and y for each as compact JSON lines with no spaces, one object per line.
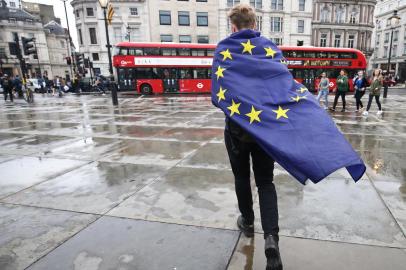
{"x":252,"y":85}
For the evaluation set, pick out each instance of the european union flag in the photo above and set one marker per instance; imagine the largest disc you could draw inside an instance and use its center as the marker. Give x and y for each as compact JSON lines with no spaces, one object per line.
{"x":252,"y":85}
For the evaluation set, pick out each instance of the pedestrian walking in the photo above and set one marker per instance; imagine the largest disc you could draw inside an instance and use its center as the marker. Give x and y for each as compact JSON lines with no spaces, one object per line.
{"x":7,"y":86}
{"x":375,"y":91}
{"x":360,"y":84}
{"x":18,"y":86}
{"x":341,"y":89}
{"x":323,"y":89}
{"x":240,"y":147}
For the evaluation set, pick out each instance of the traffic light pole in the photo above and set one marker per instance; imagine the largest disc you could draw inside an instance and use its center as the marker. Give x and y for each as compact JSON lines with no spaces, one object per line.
{"x":70,"y":38}
{"x":36,"y":50}
{"x":114,"y":89}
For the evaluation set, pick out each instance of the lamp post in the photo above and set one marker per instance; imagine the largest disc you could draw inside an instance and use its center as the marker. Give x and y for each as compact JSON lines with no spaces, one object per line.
{"x":70,"y":43}
{"x":103,"y":4}
{"x":394,"y":20}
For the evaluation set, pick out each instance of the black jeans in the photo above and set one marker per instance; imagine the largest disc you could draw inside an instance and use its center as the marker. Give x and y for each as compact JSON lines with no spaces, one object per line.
{"x":358,"y":95}
{"x":342,"y":94}
{"x":239,"y":154}
{"x":377,"y":102}
{"x":8,"y":91}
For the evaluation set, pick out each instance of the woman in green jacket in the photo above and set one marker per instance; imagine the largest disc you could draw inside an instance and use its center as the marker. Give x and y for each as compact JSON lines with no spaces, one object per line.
{"x":342,"y":88}
{"x":375,"y":90}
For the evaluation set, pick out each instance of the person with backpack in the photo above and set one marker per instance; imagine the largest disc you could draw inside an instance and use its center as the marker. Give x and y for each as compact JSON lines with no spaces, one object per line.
{"x":360,"y":83}
{"x":7,"y":85}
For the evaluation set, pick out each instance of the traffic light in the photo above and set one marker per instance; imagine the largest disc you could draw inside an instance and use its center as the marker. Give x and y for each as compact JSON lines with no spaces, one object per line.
{"x":79,"y":59}
{"x":68,"y":60}
{"x":28,"y":45}
{"x":87,"y":62}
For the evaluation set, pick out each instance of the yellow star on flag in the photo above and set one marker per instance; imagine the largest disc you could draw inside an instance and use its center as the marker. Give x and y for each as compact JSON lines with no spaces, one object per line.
{"x":302,"y":90}
{"x":219,"y":72}
{"x":254,"y":115}
{"x":226,"y":54}
{"x":247,"y":46}
{"x":221,"y":93}
{"x":297,"y":98}
{"x":270,"y":52}
{"x":234,"y":108}
{"x":281,"y":112}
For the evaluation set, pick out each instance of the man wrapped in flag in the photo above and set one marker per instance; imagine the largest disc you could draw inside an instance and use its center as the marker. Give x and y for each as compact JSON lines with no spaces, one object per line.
{"x":272,"y":118}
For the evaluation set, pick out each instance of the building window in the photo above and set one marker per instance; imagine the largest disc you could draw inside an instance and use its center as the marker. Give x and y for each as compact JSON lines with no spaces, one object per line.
{"x":185,"y":39}
{"x":12,"y":4}
{"x":277,"y":4}
{"x":259,"y":23}
{"x":340,"y":15}
{"x":183,"y":18}
{"x":12,"y":20}
{"x":201,"y":0}
{"x":231,"y":3}
{"x":118,"y":33}
{"x":394,"y":50}
{"x":164,"y":17}
{"x":323,"y":40}
{"x":302,"y":5}
{"x":395,"y":35}
{"x":378,"y":37}
{"x":166,"y":38}
{"x":385,"y":51}
{"x":2,"y":52}
{"x":351,"y":41}
{"x":202,"y":39}
{"x":202,"y":19}
{"x":89,"y":12}
{"x":325,"y":14}
{"x":77,"y":13}
{"x":404,"y":48}
{"x":337,"y":40}
{"x":134,"y":11}
{"x":300,"y":26}
{"x":62,"y":43}
{"x":95,"y":56}
{"x":277,"y":41}
{"x":276,"y":24}
{"x":80,"y":36}
{"x":386,"y":38}
{"x":93,"y":37}
{"x":353,"y":15}
{"x":256,"y":3}
{"x":28,"y":21}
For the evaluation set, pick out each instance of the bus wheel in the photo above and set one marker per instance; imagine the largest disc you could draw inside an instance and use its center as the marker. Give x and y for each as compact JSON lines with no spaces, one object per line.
{"x":146,"y":89}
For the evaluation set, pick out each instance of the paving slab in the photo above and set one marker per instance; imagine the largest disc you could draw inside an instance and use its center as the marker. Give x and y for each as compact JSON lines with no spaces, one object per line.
{"x":336,"y":210}
{"x":306,"y":254}
{"x":162,"y":153}
{"x":23,"y":172}
{"x":203,"y":197}
{"x":115,"y":243}
{"x":211,"y":156}
{"x":93,"y":188}
{"x":191,"y":134}
{"x":28,"y":233}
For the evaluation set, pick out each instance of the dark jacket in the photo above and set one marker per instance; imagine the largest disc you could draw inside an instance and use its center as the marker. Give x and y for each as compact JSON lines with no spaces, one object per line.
{"x":237,"y":132}
{"x":6,"y":84}
{"x":342,"y":83}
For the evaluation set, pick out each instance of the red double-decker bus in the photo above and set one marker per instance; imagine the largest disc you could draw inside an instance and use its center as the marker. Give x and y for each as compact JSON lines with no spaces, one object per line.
{"x":150,"y":68}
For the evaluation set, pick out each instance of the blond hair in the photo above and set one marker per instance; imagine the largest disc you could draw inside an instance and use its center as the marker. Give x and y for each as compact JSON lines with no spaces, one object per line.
{"x":242,"y":16}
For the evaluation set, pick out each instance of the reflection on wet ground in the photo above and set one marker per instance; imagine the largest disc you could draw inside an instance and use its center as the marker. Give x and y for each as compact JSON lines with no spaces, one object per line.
{"x":148,"y":185}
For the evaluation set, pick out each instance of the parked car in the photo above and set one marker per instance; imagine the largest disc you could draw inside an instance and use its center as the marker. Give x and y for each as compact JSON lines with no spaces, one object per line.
{"x":34,"y":85}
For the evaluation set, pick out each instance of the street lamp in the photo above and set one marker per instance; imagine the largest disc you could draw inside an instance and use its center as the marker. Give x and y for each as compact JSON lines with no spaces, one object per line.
{"x":103,"y":4}
{"x":394,"y":21}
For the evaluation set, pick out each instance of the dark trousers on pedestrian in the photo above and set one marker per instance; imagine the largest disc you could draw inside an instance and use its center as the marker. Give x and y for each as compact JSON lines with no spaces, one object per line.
{"x":338,"y":94}
{"x":358,"y":96}
{"x":8,"y":91}
{"x":377,"y":102}
{"x":239,"y":153}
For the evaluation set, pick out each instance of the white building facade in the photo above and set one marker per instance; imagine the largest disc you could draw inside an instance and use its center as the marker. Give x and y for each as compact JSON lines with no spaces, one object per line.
{"x":283,"y":21}
{"x":382,"y":35}
{"x":130,"y":23}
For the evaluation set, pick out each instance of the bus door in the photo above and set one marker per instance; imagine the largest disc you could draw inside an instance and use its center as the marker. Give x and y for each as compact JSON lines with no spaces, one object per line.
{"x":170,"y":80}
{"x":309,"y":78}
{"x":126,"y":79}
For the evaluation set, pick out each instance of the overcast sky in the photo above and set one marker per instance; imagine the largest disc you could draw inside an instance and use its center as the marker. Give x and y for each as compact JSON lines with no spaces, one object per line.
{"x":60,"y":13}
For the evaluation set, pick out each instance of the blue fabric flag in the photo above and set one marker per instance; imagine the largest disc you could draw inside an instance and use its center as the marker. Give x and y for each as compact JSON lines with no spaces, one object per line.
{"x":252,"y":85}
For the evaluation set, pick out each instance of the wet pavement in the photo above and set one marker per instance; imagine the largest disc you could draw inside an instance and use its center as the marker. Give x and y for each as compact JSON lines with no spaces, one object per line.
{"x":148,"y":185}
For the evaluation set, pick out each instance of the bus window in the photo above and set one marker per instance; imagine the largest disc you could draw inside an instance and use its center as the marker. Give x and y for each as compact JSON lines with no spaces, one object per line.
{"x":185,"y":73}
{"x":116,"y":50}
{"x":309,"y":54}
{"x":332,"y":55}
{"x":135,"y":51}
{"x":168,"y":51}
{"x":210,"y":52}
{"x":347,"y":56}
{"x":123,"y":51}
{"x":200,"y":73}
{"x":145,"y":73}
{"x":322,"y":55}
{"x":298,"y":73}
{"x":198,"y":52}
{"x":151,"y":51}
{"x":184,"y":52}
{"x":209,"y":73}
